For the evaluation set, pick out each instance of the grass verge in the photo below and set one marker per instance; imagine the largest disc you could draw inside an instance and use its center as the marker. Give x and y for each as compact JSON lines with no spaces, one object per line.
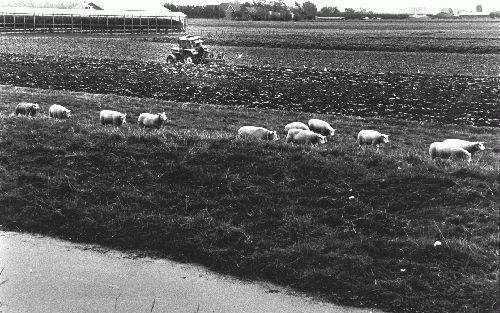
{"x":351,"y":226}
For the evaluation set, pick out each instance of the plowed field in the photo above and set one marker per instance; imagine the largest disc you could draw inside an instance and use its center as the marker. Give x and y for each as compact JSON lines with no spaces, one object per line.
{"x":447,"y":99}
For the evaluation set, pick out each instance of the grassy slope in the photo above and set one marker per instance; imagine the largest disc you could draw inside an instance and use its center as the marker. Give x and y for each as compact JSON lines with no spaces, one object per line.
{"x":333,"y":220}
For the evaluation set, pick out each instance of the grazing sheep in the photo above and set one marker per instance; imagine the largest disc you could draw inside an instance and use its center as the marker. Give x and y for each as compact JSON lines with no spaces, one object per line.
{"x":321,"y":127}
{"x":445,"y":150}
{"x":302,"y":136}
{"x":371,"y":137}
{"x":26,"y":108}
{"x":470,"y":146}
{"x":296,"y":125}
{"x":112,"y":117}
{"x":151,"y":120}
{"x":257,"y":132}
{"x":58,"y":111}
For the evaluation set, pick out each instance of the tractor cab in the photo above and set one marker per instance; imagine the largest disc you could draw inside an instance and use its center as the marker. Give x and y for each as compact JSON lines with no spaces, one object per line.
{"x":190,"y":50}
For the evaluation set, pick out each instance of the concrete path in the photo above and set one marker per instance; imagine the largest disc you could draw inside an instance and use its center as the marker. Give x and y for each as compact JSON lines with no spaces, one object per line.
{"x":43,"y":274}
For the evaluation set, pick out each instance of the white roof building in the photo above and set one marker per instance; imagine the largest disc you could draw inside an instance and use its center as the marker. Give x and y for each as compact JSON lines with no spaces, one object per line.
{"x":126,"y":8}
{"x":130,"y":5}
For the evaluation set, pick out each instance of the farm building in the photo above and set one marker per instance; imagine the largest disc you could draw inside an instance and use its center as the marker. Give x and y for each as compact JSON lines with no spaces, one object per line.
{"x":229,"y":9}
{"x":91,"y":18}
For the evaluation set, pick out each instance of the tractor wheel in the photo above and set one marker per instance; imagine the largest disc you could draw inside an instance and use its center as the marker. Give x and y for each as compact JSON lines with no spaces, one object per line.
{"x":171,"y":59}
{"x":188,"y":59}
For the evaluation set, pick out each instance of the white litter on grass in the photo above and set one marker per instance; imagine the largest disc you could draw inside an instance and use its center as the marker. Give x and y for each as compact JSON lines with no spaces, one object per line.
{"x":403,"y":270}
{"x":437,"y":243}
{"x":351,"y":197}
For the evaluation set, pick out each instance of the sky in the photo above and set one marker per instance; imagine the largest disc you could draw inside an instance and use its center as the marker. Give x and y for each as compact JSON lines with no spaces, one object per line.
{"x":389,"y":6}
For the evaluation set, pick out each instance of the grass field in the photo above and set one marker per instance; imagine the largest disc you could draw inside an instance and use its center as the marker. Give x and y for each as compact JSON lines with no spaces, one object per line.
{"x":348,"y":225}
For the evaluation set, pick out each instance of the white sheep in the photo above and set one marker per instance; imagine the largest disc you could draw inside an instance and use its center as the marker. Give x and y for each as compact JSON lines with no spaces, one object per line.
{"x":257,"y":133}
{"x":302,"y":136}
{"x":151,"y":120}
{"x":371,"y":137}
{"x":445,"y":150}
{"x":321,"y":127}
{"x":471,"y":146}
{"x":26,"y":108}
{"x":58,"y":111}
{"x":296,"y":125}
{"x":112,"y":117}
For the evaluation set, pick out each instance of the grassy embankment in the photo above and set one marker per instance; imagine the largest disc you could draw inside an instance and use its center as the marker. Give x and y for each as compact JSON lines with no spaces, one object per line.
{"x":352,"y":226}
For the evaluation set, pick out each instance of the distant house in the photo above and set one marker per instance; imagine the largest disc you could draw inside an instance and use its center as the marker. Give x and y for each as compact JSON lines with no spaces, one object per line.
{"x":447,"y":11}
{"x":417,"y":12}
{"x":330,"y":18}
{"x":229,"y":9}
{"x":473,"y":15}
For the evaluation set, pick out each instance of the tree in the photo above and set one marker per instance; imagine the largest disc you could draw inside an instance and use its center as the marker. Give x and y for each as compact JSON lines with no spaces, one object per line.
{"x":310,"y":10}
{"x":277,"y":6}
{"x":495,"y":14}
{"x":349,"y":10}
{"x":329,"y":11}
{"x":479,"y":8}
{"x":170,"y":6}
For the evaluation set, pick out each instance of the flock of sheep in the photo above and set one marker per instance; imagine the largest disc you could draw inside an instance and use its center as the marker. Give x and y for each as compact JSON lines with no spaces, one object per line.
{"x":315,"y":132}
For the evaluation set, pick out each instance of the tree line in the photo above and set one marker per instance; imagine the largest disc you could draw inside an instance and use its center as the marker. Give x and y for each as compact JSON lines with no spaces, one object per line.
{"x":260,"y":10}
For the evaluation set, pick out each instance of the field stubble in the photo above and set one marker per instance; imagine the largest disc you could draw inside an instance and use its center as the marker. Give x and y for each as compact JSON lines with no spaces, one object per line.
{"x":348,"y":225}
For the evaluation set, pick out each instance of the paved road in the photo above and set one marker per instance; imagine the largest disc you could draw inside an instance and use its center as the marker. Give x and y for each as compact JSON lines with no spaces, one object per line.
{"x":50,"y":275}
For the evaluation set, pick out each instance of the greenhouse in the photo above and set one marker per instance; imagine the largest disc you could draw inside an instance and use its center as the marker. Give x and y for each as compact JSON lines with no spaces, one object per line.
{"x":18,"y":19}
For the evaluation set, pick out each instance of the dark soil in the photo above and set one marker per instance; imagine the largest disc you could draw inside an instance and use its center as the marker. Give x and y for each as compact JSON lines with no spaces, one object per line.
{"x":445,"y":99}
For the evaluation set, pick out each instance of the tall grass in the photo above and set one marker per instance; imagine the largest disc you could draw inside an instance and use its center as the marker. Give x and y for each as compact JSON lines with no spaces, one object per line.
{"x":353,"y":226}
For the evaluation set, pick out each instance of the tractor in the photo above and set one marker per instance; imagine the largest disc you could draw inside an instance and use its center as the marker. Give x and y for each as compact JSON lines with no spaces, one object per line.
{"x":190,"y":50}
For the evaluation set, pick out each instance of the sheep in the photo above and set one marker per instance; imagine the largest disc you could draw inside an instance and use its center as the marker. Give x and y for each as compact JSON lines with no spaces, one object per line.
{"x":58,"y":111}
{"x":302,"y":136}
{"x":26,"y":108}
{"x":446,"y":150}
{"x":321,"y":127}
{"x":257,"y":133}
{"x":151,"y":120}
{"x":112,"y":117}
{"x":471,"y":146}
{"x":296,"y":125}
{"x":371,"y":137}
